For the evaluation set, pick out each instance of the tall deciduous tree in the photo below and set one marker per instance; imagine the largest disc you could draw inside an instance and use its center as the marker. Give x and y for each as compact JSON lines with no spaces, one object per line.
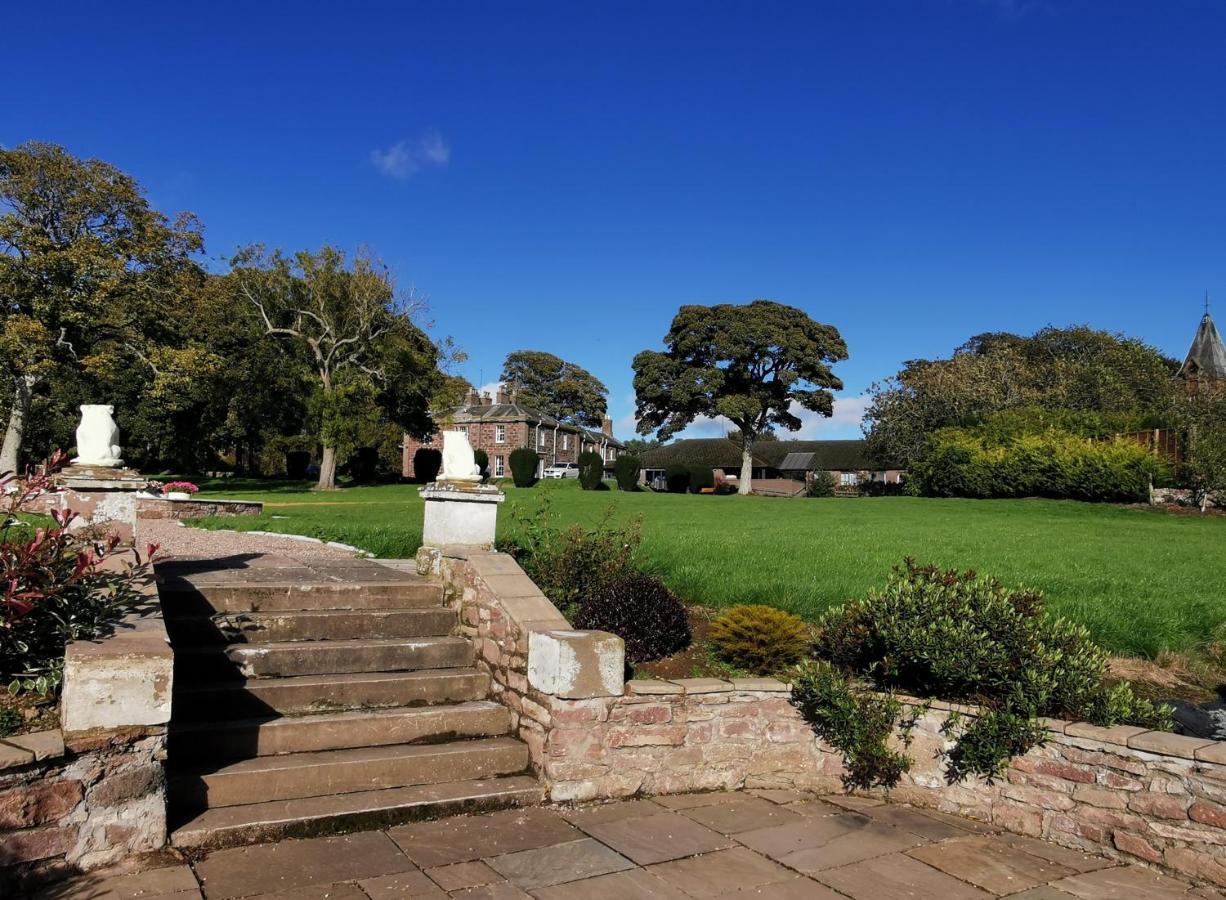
{"x":1201,"y":415}
{"x":748,"y":363}
{"x":355,"y":331}
{"x":559,"y":388}
{"x":87,"y":270}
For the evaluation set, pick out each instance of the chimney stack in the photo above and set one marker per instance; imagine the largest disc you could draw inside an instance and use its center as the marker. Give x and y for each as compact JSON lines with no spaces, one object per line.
{"x":503,"y":397}
{"x":607,"y":426}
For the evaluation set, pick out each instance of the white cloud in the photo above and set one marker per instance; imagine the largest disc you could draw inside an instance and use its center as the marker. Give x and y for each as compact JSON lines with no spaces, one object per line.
{"x":406,"y":158}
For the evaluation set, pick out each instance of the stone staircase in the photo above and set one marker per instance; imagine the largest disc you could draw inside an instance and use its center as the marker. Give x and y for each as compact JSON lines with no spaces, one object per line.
{"x":313,"y":697}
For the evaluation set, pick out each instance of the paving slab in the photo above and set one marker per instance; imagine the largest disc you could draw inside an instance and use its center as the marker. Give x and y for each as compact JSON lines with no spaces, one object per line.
{"x":685,"y":801}
{"x":1045,"y":892}
{"x":402,"y":886}
{"x":814,"y":831}
{"x":852,"y":801}
{"x":268,"y":868}
{"x":658,"y":838}
{"x":1122,"y":881}
{"x":782,"y":795}
{"x":610,"y":812}
{"x":633,"y":884}
{"x":722,"y":872}
{"x":467,"y":838}
{"x":748,"y":814}
{"x":343,"y":891}
{"x":459,"y":876}
{"x":873,"y":841}
{"x":991,"y":863}
{"x":176,"y":882}
{"x":1077,"y":860}
{"x":796,"y":888}
{"x":897,"y":877}
{"x":586,"y":858}
{"x":916,"y":821}
{"x":501,"y":891}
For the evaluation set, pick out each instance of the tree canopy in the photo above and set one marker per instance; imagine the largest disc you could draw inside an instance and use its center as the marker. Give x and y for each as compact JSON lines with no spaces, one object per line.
{"x":559,"y":388}
{"x":93,"y":280}
{"x":343,"y":315}
{"x":1076,"y":369}
{"x":748,"y":363}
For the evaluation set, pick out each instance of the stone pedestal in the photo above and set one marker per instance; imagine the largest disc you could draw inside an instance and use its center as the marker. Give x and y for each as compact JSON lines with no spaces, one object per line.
{"x":100,"y":495}
{"x":460,"y":514}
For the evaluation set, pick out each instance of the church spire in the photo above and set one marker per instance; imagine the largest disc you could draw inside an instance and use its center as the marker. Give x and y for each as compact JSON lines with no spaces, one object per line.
{"x":1206,"y":360}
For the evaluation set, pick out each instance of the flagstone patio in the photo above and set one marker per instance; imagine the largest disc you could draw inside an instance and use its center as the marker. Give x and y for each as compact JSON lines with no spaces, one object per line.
{"x":766,"y":844}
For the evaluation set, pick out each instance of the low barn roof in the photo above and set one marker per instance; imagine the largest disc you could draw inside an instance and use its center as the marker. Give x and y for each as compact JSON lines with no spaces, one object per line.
{"x":721,"y":453}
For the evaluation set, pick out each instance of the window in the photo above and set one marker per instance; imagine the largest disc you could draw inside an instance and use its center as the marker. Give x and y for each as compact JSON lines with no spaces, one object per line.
{"x":473,"y":434}
{"x":849,"y":478}
{"x":610,"y":454}
{"x":500,"y":434}
{"x":540,"y":438}
{"x":499,"y":465}
{"x":566,"y":442}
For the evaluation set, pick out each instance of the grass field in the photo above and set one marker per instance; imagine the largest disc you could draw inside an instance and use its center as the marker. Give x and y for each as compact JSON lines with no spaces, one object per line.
{"x":1141,"y":580}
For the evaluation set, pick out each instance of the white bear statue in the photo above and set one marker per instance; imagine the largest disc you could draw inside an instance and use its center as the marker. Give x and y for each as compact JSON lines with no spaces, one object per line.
{"x":459,"y":464}
{"x":97,"y":437}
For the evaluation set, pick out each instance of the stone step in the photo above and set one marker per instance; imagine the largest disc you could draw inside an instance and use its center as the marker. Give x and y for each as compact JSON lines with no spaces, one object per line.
{"x":263,"y":697}
{"x":299,"y":775}
{"x":336,"y":731}
{"x":310,"y":625}
{"x":183,"y":597}
{"x":290,"y":658}
{"x":258,"y":822}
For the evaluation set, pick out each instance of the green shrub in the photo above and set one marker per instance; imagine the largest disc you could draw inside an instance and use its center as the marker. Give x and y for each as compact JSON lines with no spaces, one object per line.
{"x":963,"y":463}
{"x":524,"y":464}
{"x":10,"y":721}
{"x":701,"y":477}
{"x":856,"y":722}
{"x":591,"y":470}
{"x":626,"y":470}
{"x":759,"y":639}
{"x":642,"y":612}
{"x":570,"y":563}
{"x":677,"y":478}
{"x":822,"y":484}
{"x":959,"y":636}
{"x":426,"y":464}
{"x":482,"y":459}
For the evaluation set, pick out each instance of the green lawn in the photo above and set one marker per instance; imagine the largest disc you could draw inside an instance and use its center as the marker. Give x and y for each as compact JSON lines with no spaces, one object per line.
{"x":1141,"y":580}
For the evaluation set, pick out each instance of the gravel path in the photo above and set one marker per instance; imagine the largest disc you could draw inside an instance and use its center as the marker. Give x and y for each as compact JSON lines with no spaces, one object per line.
{"x":178,"y":540}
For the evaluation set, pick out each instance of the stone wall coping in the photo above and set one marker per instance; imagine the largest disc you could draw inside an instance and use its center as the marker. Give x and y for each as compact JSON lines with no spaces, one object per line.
{"x":23,"y":749}
{"x":123,"y":679}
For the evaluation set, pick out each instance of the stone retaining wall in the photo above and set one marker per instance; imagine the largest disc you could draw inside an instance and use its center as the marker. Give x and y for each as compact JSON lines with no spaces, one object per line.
{"x":1126,"y":792}
{"x":162,"y":508}
{"x":93,"y":794}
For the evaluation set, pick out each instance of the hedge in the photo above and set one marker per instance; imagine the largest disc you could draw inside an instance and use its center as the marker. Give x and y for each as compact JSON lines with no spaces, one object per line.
{"x":677,"y":478}
{"x":426,"y":464}
{"x":701,"y":477}
{"x":524,"y":463}
{"x":591,"y":470}
{"x":626,"y":469}
{"x":1063,"y":466}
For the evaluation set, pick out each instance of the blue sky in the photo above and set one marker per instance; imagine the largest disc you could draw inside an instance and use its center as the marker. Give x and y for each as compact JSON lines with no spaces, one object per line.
{"x":562,"y":176}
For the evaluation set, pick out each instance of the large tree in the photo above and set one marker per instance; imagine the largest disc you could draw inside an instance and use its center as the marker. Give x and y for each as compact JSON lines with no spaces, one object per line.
{"x":1077,"y":368}
{"x":559,"y":388}
{"x":355,"y":331}
{"x":747,"y":363}
{"x":90,"y":277}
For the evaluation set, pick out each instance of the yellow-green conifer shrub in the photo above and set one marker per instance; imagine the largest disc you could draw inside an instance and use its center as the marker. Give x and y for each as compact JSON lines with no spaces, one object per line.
{"x":760,"y":639}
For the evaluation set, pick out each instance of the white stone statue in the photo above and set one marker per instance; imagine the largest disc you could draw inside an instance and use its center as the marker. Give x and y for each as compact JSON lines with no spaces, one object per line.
{"x":97,"y":437}
{"x":459,"y":464}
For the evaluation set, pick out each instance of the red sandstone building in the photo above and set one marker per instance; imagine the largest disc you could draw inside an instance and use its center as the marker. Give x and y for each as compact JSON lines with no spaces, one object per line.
{"x":500,"y":425}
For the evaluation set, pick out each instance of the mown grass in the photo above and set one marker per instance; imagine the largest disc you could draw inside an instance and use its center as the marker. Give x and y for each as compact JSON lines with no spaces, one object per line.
{"x":1140,"y":580}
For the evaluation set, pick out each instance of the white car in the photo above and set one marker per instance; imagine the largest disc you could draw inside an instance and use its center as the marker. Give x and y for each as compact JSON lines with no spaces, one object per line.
{"x":562,"y":470}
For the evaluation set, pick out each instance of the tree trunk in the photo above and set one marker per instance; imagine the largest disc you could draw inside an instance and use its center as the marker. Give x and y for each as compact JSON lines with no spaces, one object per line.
{"x":745,"y":485}
{"x":10,"y":451}
{"x":327,"y":470}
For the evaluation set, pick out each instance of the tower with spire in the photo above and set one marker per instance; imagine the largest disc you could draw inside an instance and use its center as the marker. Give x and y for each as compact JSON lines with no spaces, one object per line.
{"x":1206,"y":359}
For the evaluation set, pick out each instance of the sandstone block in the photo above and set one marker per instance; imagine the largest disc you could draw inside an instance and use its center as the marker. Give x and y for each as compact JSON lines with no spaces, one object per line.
{"x":576,"y":664}
{"x":120,"y":681}
{"x":38,"y":803}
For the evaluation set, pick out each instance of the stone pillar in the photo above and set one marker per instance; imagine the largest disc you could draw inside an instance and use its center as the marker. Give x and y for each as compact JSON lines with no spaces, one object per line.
{"x":460,"y":514}
{"x":100,"y":495}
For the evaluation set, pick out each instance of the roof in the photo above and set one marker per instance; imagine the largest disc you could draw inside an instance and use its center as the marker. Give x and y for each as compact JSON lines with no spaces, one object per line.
{"x":1206,"y":360}
{"x":721,"y":453}
{"x":517,"y":412}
